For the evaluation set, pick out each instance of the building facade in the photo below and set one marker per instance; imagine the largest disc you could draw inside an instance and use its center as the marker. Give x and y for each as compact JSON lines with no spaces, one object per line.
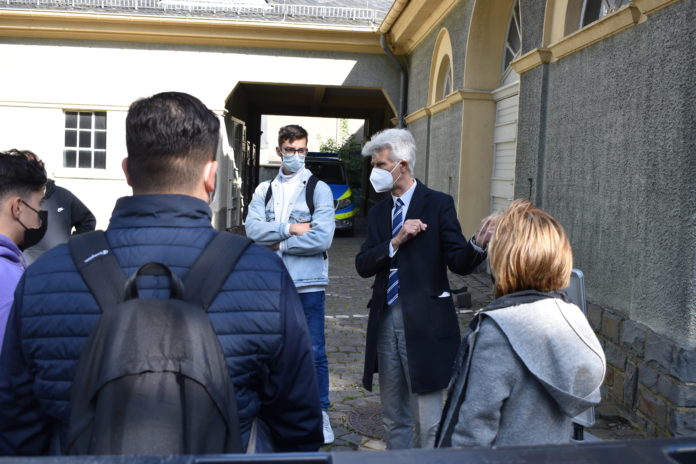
{"x":77,"y":66}
{"x":585,"y":107}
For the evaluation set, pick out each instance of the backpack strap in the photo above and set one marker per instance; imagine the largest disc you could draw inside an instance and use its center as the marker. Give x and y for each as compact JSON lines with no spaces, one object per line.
{"x":269,"y":193}
{"x":209,"y":272}
{"x":98,"y":266}
{"x":309,"y":193}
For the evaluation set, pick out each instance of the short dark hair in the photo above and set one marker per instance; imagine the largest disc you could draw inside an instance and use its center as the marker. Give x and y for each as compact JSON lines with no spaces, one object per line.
{"x":291,"y":133}
{"x":21,"y":173}
{"x":169,"y":137}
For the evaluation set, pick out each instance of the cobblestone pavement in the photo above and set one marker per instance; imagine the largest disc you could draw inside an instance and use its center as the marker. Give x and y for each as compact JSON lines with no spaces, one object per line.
{"x":355,"y":412}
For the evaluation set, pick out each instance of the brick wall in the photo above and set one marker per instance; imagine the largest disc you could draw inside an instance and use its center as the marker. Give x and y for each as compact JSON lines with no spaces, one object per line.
{"x":650,"y":378}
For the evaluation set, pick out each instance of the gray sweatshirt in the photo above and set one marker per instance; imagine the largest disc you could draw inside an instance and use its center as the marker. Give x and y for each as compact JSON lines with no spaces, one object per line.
{"x":531,"y":368}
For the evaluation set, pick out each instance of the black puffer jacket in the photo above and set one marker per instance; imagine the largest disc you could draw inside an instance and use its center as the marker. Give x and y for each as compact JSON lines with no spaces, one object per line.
{"x":65,"y":212}
{"x":257,"y":316}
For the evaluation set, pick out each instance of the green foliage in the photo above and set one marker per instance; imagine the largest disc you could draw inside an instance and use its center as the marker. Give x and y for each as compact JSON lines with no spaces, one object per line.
{"x":348,"y":150}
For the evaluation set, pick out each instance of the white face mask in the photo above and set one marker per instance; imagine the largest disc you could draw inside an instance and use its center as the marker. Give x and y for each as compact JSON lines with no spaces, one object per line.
{"x":382,"y":180}
{"x":293,"y":163}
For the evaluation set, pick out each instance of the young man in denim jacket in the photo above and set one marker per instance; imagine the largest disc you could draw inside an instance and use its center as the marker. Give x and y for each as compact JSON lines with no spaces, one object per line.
{"x":285,"y":224}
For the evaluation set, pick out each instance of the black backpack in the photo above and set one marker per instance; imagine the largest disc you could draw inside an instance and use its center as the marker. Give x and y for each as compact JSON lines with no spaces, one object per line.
{"x":152,"y":377}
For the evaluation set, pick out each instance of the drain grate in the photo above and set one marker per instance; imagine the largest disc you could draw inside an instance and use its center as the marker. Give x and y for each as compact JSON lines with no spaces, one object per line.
{"x":367,"y":421}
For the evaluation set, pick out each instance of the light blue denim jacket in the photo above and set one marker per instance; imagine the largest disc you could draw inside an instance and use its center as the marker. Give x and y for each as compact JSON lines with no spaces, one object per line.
{"x":304,"y":255}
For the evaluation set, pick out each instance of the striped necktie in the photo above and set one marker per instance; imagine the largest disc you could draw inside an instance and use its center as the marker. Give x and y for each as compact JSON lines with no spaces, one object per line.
{"x":393,"y":286}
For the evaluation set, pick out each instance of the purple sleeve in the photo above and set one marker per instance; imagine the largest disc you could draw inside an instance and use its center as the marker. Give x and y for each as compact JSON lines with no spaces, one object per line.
{"x":10,"y":274}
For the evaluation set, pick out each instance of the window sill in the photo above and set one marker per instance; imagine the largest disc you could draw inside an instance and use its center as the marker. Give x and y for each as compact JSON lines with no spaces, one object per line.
{"x":91,"y":174}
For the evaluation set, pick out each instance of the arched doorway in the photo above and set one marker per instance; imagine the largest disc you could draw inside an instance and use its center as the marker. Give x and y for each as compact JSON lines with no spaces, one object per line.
{"x":248,"y":101}
{"x":484,"y":89}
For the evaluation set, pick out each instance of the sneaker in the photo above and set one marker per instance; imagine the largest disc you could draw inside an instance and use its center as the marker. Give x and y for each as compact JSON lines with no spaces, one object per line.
{"x":328,"y":432}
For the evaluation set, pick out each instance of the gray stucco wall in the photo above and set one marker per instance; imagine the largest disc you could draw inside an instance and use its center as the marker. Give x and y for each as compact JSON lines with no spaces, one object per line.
{"x":457,"y":24}
{"x":532,"y":12}
{"x":419,"y":129}
{"x":438,"y":137}
{"x":609,"y":139}
{"x":444,"y":149}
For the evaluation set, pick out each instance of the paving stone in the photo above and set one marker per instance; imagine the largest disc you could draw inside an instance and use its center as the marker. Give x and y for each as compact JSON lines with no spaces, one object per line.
{"x":353,"y":438}
{"x":339,"y":430}
{"x":373,"y":445}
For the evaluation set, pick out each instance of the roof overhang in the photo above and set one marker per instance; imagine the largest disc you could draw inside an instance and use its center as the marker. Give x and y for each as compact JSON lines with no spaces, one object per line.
{"x":408,"y":22}
{"x":315,"y":100}
{"x":185,"y":30}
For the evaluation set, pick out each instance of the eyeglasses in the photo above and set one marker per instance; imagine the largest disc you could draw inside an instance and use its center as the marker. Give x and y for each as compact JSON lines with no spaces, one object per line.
{"x":292,"y":151}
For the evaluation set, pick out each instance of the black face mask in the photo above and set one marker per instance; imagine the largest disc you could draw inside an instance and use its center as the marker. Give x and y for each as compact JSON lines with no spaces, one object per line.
{"x":34,"y":236}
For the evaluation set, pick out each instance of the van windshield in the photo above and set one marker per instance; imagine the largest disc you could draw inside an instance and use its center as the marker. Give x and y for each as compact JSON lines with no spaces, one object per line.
{"x":331,"y":173}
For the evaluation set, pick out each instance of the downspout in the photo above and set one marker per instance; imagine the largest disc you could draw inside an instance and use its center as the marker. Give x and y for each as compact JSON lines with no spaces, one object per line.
{"x":403,"y":80}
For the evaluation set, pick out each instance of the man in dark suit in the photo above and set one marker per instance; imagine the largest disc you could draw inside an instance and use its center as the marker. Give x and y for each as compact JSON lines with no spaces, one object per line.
{"x":413,"y":333}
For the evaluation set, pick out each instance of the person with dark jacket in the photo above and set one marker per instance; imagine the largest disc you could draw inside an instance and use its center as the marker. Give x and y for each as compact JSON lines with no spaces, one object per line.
{"x":531,"y":361}
{"x":67,"y":215}
{"x":257,"y":315}
{"x":413,"y":237}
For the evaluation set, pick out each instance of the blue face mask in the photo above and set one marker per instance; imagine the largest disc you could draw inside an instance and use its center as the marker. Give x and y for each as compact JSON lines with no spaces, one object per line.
{"x":293,"y":163}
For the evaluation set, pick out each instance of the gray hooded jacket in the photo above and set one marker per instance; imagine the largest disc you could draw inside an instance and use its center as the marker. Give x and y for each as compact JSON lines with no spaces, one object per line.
{"x":527,"y":370}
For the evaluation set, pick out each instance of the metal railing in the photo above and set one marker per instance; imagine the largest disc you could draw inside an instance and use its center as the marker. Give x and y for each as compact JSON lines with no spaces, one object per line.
{"x":272,"y":10}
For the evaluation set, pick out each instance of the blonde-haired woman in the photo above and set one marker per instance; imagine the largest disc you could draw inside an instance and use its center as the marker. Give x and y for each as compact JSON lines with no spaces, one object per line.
{"x":530,"y":361}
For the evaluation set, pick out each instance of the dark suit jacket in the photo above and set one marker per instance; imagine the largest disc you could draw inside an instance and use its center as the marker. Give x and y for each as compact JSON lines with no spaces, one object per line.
{"x":430,"y":322}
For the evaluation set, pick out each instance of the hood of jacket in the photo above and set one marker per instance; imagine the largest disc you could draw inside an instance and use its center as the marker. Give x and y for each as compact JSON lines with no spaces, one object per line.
{"x":50,"y":188}
{"x":557,"y":345}
{"x":11,"y":252}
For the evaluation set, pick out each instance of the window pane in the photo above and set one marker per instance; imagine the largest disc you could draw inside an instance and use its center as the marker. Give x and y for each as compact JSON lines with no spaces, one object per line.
{"x":100,"y":140}
{"x":70,"y":138}
{"x":71,"y":119}
{"x":85,"y":160}
{"x":100,"y":160}
{"x":69,"y":158}
{"x":100,"y":120}
{"x":592,"y":9}
{"x":514,"y":37}
{"x":85,"y":120}
{"x":85,"y":139}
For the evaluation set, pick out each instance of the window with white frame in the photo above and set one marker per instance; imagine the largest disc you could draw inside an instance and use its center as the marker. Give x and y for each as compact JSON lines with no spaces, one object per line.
{"x":592,"y":10}
{"x":85,"y":140}
{"x":513,"y":40}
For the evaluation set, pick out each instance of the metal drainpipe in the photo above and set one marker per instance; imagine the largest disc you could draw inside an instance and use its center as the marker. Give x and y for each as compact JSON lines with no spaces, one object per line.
{"x":403,"y":80}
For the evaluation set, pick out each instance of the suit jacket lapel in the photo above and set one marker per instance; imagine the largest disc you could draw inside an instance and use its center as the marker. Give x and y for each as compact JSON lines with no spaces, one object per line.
{"x":417,"y":202}
{"x":385,"y":222}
